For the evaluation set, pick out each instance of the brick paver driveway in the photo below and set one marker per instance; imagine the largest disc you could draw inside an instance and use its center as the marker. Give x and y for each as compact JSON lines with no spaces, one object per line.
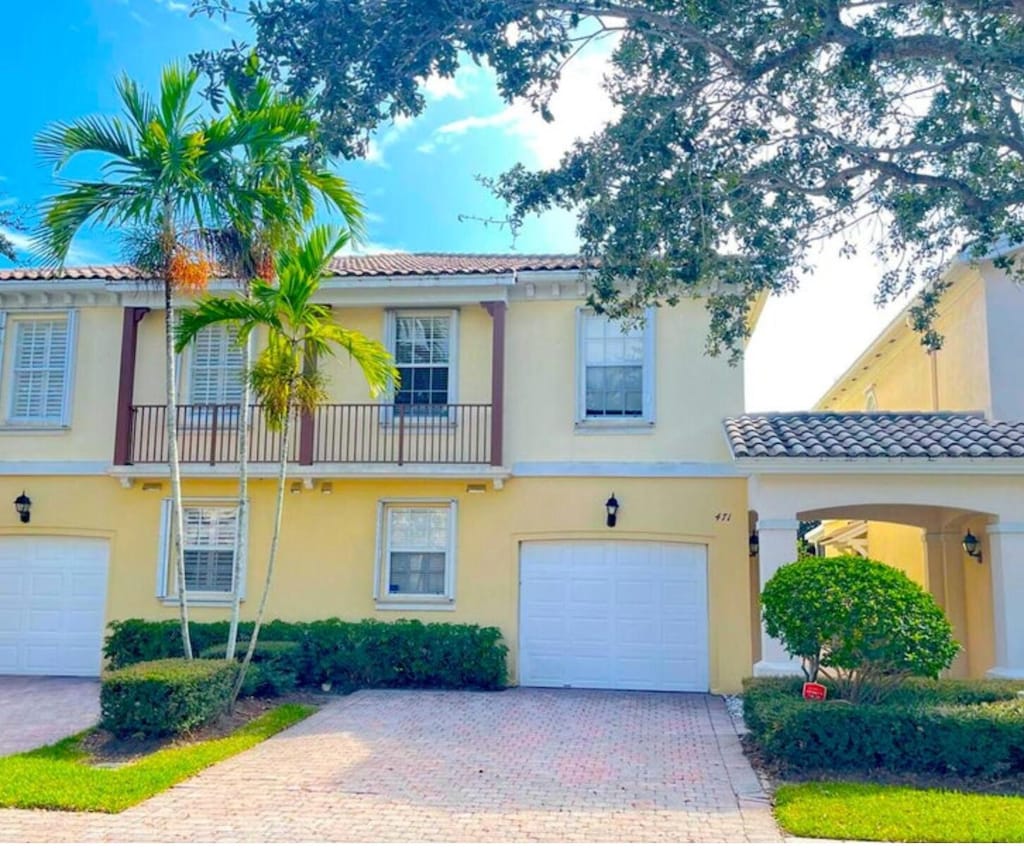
{"x":35,"y":711}
{"x":545,"y":765}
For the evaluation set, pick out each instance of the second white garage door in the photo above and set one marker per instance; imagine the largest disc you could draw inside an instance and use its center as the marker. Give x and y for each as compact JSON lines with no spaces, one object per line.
{"x":53,"y":592}
{"x":618,"y":615}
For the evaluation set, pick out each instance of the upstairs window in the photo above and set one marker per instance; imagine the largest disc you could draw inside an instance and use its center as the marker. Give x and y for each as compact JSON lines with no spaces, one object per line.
{"x":216,"y":368}
{"x":423,"y":345}
{"x":39,"y":383}
{"x":615,"y":370}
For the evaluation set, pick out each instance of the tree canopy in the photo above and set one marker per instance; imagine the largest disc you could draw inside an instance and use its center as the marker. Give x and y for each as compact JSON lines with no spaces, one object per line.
{"x":748,"y":131}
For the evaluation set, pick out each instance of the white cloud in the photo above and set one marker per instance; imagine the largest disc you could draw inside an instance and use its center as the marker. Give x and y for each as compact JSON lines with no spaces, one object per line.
{"x":369,"y":247}
{"x":805,"y":340}
{"x":580,"y":107}
{"x":439,"y":88}
{"x":21,"y":242}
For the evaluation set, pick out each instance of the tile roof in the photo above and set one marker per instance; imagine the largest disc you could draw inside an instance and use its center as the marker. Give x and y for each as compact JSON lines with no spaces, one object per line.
{"x":851,"y":435}
{"x":432,"y":264}
{"x":388,"y":264}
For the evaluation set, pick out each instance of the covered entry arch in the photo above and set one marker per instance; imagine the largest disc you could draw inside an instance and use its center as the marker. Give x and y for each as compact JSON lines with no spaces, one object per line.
{"x":940,"y":472}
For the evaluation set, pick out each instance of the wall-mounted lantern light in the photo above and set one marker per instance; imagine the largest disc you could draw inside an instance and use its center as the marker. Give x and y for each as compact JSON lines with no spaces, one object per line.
{"x":754,"y":542}
{"x":612,"y":507}
{"x":972,"y":547}
{"x":23,"y":506}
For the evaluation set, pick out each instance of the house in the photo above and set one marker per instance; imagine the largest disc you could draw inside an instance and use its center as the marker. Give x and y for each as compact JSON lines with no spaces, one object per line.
{"x":480,"y":493}
{"x":909,"y":458}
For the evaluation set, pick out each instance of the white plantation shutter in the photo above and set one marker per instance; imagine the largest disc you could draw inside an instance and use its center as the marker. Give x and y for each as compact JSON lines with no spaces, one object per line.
{"x":40,"y":369}
{"x":211,"y":534}
{"x":215,"y":375}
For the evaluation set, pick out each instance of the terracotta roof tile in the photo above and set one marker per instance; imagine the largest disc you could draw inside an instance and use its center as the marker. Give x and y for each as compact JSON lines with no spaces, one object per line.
{"x":396,"y":264}
{"x":846,"y":435}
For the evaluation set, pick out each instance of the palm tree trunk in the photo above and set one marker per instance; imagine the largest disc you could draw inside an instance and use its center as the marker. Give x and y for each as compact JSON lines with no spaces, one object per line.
{"x":282,"y":476}
{"x":242,"y":551}
{"x":177,"y":519}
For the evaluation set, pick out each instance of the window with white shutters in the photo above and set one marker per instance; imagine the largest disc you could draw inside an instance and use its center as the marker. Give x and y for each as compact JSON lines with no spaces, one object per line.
{"x":40,"y":369}
{"x":211,"y":534}
{"x":417,"y":551}
{"x":216,"y":368}
{"x":615,"y":376}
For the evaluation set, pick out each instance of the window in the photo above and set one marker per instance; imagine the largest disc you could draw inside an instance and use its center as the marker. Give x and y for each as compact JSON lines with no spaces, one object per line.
{"x":615,"y":377}
{"x":424,"y":346}
{"x":871,"y":400}
{"x":417,"y":551}
{"x":211,"y":540}
{"x":40,"y":376}
{"x":216,"y":368}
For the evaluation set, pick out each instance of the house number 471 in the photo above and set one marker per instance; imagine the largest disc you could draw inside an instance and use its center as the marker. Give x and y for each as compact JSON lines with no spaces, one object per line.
{"x":723,"y":516}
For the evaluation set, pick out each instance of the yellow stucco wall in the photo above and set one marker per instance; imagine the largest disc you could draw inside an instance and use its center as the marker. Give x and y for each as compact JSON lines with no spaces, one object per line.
{"x":902,"y":374}
{"x":329,"y":541}
{"x":90,"y":434}
{"x":693,"y":392}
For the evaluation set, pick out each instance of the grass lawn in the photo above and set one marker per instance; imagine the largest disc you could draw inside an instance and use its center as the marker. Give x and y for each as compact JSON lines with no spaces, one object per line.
{"x":57,"y":777}
{"x":870,"y":812}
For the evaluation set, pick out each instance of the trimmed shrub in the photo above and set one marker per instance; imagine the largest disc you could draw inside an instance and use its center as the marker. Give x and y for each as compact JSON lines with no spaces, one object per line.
{"x":964,"y":729}
{"x":165,"y":697}
{"x":135,"y":640}
{"x":862,"y":625}
{"x":405,"y":653}
{"x":347,"y":655}
{"x":274,"y":669}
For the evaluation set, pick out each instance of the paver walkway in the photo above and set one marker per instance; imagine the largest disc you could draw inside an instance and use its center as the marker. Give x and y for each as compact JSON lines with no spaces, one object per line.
{"x":36,"y":711}
{"x":521,"y":765}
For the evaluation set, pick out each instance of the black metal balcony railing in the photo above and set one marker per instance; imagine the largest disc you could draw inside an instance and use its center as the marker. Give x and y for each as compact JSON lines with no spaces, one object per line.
{"x":357,"y":433}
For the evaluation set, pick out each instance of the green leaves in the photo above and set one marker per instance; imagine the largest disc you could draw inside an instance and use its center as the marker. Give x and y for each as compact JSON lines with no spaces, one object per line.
{"x":866,"y":625}
{"x":748,"y":134}
{"x":299,"y":330}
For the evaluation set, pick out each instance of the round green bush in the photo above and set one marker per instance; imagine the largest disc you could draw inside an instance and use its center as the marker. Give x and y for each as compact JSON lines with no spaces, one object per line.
{"x":862,"y":625}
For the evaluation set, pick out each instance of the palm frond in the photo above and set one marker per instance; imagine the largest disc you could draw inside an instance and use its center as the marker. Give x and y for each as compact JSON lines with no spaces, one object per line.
{"x":216,"y":310}
{"x":64,"y":214}
{"x":61,"y":141}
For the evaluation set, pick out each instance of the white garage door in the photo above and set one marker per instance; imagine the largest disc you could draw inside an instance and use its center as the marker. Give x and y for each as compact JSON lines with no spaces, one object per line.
{"x":52,"y":600}
{"x":620,"y":615}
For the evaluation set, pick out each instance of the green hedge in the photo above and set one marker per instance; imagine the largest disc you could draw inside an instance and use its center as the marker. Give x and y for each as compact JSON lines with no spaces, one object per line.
{"x":165,"y":697}
{"x":346,"y":655}
{"x":946,"y":727}
{"x":274,"y":669}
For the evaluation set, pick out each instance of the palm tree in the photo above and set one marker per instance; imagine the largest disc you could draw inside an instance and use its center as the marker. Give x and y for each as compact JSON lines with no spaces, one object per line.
{"x":286,"y":377}
{"x":164,"y":177}
{"x":245,"y":245}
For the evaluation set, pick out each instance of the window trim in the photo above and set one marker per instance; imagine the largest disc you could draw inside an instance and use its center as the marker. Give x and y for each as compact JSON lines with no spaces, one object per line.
{"x":413,"y":601}
{"x":391,"y":316}
{"x":11,"y":319}
{"x":166,"y":591}
{"x":627,"y":423}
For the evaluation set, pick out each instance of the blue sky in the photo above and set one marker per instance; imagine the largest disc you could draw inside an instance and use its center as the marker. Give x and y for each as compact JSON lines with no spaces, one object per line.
{"x":64,"y":55}
{"x":417,"y":181}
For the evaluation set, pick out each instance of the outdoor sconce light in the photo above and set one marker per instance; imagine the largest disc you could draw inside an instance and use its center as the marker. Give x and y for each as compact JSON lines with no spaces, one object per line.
{"x":755,"y":544}
{"x":23,"y":506}
{"x":612,"y":507}
{"x":972,"y":547}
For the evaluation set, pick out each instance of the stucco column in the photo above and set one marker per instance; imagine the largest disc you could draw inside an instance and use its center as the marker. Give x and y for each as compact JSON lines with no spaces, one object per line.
{"x":777,"y":540}
{"x":944,"y":568}
{"x":1006,"y":553}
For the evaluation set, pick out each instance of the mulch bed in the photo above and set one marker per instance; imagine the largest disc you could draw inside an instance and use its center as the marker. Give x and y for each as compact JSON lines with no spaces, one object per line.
{"x":103,"y":748}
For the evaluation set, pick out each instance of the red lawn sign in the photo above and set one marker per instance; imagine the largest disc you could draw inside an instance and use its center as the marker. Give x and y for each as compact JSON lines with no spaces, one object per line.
{"x":814,"y":692}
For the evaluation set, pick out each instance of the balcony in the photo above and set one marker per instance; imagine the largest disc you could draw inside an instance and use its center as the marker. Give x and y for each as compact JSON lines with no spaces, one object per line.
{"x":336,"y":433}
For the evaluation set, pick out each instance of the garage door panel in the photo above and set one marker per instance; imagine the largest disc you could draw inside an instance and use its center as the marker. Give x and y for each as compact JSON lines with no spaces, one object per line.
{"x":52,"y":600}
{"x":633,"y":615}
